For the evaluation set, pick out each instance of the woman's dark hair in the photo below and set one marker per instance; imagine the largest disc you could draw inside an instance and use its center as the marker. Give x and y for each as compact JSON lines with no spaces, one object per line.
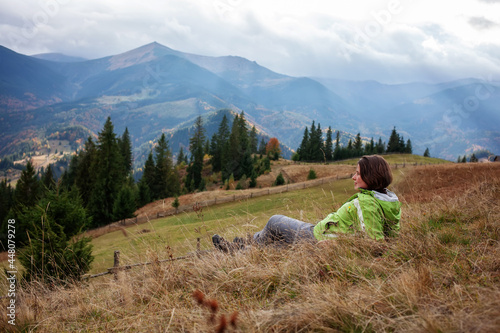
{"x":375,"y":171}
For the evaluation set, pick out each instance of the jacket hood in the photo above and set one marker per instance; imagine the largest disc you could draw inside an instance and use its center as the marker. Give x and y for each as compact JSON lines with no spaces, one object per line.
{"x":389,"y":203}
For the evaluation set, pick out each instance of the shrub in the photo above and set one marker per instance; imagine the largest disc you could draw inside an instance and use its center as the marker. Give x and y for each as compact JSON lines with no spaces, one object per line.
{"x":279,"y":180}
{"x":311,"y":175}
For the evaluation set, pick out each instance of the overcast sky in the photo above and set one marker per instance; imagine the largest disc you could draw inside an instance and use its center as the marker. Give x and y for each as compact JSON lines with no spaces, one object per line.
{"x":391,"y":41}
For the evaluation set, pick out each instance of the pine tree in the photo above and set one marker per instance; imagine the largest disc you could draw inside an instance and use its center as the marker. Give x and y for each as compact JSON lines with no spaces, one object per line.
{"x":148,"y":178}
{"x":27,"y":190}
{"x":311,"y":175}
{"x":358,"y":144}
{"x":125,"y":146}
{"x":473,"y":158}
{"x":234,"y":152}
{"x":401,"y":146}
{"x":262,"y":146}
{"x":394,"y":142}
{"x":243,"y":132}
{"x":180,"y":156}
{"x":253,"y":179}
{"x":329,"y":144}
{"x":143,"y":193}
{"x":280,"y":180}
{"x":176,"y":203}
{"x":6,"y":204}
{"x":53,"y":254}
{"x":125,"y":204}
{"x":220,"y":152}
{"x":252,"y":141}
{"x":336,"y":152}
{"x":85,"y":169}
{"x":303,"y":148}
{"x":370,"y":147}
{"x":409,"y":148}
{"x":109,"y":176}
{"x":380,"y":146}
{"x":163,"y":168}
{"x":48,"y":181}
{"x":196,"y":149}
{"x":426,"y":153}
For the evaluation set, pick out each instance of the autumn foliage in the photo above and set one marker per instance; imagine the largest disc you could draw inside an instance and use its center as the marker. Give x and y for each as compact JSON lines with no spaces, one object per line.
{"x":273,"y":148}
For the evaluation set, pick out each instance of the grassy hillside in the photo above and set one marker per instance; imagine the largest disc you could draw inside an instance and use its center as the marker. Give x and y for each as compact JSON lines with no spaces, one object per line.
{"x":441,"y":274}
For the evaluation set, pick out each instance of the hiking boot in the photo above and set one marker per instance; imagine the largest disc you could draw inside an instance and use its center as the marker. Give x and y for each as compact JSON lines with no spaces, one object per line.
{"x":220,"y":243}
{"x":239,"y":243}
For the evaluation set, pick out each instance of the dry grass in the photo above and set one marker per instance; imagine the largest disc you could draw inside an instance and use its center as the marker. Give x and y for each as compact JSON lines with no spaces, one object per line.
{"x":441,"y":275}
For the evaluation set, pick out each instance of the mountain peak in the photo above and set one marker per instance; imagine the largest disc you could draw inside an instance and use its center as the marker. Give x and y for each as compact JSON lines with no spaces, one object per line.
{"x":140,"y":55}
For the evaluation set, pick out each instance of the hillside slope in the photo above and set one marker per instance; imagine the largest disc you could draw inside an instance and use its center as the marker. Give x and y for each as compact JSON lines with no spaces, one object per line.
{"x":440,"y":274}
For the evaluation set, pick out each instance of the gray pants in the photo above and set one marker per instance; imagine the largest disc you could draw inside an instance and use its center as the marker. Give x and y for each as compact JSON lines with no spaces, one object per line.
{"x":283,"y":229}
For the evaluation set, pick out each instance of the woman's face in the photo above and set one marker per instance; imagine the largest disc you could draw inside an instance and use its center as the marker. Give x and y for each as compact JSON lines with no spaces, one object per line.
{"x":358,"y":181}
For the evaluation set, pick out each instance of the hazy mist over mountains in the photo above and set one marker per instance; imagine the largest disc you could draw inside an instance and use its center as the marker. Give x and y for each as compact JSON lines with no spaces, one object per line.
{"x":154,"y":89}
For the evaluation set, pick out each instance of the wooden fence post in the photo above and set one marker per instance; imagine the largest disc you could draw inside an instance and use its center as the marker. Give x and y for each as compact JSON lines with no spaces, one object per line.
{"x":116,"y":264}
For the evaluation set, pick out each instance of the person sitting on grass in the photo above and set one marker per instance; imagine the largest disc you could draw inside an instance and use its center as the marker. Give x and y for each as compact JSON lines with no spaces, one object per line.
{"x":374,"y":210}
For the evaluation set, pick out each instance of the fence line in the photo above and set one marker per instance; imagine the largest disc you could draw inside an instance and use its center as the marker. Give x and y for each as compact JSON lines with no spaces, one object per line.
{"x":117,"y":268}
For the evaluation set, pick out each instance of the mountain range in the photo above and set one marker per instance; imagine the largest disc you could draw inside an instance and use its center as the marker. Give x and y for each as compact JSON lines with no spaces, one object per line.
{"x":154,"y":89}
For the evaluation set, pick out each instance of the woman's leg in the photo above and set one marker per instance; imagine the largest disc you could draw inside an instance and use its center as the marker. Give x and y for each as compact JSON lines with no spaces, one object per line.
{"x":284,"y":229}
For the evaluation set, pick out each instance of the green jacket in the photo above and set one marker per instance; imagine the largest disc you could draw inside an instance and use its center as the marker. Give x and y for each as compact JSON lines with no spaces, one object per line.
{"x":375,"y":213}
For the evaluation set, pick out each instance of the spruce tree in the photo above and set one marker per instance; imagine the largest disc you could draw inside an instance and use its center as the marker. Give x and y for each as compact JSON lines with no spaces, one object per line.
{"x":401,"y":146}
{"x":180,"y":156}
{"x":427,"y":153}
{"x":149,"y":177}
{"x":6,"y":204}
{"x":220,"y":152}
{"x":393,"y":144}
{"x":48,"y":181}
{"x":163,"y":168}
{"x":380,"y":146}
{"x":196,"y":148}
{"x":86,"y":164}
{"x":54,"y":255}
{"x":27,"y":190}
{"x":253,"y":141}
{"x":262,"y":146}
{"x":329,"y":144}
{"x":234,"y":152}
{"x":336,"y":152}
{"x":126,"y":151}
{"x":109,"y":176}
{"x":408,"y":148}
{"x":370,"y":147}
{"x":303,"y":148}
{"x":358,"y":144}
{"x":125,"y":204}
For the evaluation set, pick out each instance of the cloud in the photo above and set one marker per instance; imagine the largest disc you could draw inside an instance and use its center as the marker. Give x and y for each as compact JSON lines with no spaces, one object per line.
{"x":360,"y":40}
{"x":481,"y":23}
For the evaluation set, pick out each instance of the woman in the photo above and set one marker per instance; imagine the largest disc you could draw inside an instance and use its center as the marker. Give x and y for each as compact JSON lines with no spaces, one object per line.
{"x":374,"y":210}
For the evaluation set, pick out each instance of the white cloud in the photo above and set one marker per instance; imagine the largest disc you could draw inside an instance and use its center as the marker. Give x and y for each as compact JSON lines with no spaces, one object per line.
{"x":390,"y":40}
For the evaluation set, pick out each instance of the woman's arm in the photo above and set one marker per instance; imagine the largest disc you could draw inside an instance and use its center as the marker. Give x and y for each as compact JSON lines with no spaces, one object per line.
{"x":341,"y":221}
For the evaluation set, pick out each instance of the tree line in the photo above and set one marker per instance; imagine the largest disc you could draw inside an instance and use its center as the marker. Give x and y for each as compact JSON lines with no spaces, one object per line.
{"x":313,"y":148}
{"x":98,"y":188}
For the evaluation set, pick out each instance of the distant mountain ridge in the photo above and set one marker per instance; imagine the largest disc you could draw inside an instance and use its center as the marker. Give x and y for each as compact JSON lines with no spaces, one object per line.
{"x":154,"y":89}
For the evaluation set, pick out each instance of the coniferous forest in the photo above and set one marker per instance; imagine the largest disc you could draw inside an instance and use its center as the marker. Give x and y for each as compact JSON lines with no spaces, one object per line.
{"x":98,"y":186}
